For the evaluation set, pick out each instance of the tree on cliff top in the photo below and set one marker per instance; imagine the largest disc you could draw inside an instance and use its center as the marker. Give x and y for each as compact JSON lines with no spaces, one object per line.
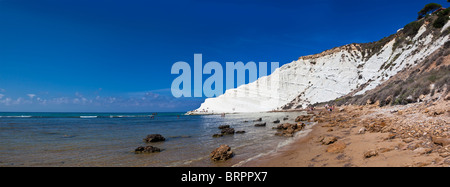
{"x":429,"y":8}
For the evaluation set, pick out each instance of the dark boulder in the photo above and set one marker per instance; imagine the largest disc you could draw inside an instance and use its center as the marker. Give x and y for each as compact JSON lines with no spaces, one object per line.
{"x":146,"y":149}
{"x":259,"y":119}
{"x":224,"y":126}
{"x":154,"y":138}
{"x":260,"y":125}
{"x":221,"y":153}
{"x":227,"y":131}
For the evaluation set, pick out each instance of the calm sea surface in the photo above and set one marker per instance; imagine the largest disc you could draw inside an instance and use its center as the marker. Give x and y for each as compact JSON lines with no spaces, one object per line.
{"x":109,"y":139}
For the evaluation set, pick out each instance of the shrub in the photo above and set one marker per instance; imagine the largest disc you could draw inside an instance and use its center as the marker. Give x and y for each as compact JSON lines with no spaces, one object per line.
{"x":429,"y":8}
{"x":440,"y":22}
{"x":442,"y":18}
{"x":445,"y":12}
{"x":432,"y":78}
{"x":412,"y":28}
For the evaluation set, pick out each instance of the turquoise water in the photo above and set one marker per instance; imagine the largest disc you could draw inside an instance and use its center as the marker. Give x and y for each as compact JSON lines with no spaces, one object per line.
{"x":109,"y":139}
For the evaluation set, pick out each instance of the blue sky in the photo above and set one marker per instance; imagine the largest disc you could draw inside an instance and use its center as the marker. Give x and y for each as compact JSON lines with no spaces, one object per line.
{"x":107,"y":55}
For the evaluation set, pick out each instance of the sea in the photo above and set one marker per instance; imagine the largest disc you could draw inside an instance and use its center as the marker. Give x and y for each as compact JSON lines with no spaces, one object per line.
{"x":109,"y":139}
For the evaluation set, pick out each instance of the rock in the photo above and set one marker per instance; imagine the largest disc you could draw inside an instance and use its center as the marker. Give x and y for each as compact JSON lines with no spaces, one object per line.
{"x":441,"y":141}
{"x":276,"y":121}
{"x":320,"y":139}
{"x":377,"y":103}
{"x":386,"y":129}
{"x":300,"y":126}
{"x":388,"y":100}
{"x":408,"y":140}
{"x":370,"y":153}
{"x":227,"y":131}
{"x":288,"y":129}
{"x":221,"y":153}
{"x":409,"y":99}
{"x":146,"y":149}
{"x":259,"y":119}
{"x":437,"y":112}
{"x":444,"y":154}
{"x":447,"y":97}
{"x":413,"y":146}
{"x":422,"y":150}
{"x":390,"y":136}
{"x":286,"y":118}
{"x":447,"y":161}
{"x":421,"y":97}
{"x":337,"y":147}
{"x":260,"y":125}
{"x":319,"y":119}
{"x":240,"y":132}
{"x":154,"y":138}
{"x":362,"y":130}
{"x":224,"y":126}
{"x":217,"y":135}
{"x":328,"y":140}
{"x":384,"y":150}
{"x":376,"y":126}
{"x":303,"y":118}
{"x":286,"y":126}
{"x":285,"y":134}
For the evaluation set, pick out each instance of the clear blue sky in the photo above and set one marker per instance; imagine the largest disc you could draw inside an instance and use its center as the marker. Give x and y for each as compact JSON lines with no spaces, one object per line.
{"x":108,"y":55}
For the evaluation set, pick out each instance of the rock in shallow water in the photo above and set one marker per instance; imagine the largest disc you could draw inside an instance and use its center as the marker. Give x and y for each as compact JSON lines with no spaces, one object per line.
{"x":146,"y":149}
{"x":224,"y":126}
{"x":260,"y":125}
{"x":288,"y":129}
{"x":154,"y":138}
{"x":227,"y":131}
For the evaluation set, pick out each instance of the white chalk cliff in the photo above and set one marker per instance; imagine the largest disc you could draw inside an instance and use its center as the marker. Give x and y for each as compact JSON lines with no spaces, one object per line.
{"x":330,"y":74}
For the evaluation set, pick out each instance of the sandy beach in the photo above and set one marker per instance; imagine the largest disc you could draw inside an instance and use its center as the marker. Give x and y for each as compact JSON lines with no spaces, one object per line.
{"x":414,"y":135}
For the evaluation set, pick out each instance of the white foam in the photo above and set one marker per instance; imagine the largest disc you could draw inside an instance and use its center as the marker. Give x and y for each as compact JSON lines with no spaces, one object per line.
{"x":16,"y":116}
{"x":88,"y":116}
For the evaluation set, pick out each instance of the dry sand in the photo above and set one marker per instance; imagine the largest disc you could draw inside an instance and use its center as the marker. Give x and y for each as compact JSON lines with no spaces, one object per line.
{"x":414,"y":135}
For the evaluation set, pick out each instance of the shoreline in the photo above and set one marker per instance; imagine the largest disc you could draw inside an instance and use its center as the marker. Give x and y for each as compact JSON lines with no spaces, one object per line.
{"x":280,"y":147}
{"x":413,"y":135}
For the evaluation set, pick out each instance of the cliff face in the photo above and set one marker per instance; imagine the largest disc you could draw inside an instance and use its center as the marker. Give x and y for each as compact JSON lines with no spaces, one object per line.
{"x":353,"y":68}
